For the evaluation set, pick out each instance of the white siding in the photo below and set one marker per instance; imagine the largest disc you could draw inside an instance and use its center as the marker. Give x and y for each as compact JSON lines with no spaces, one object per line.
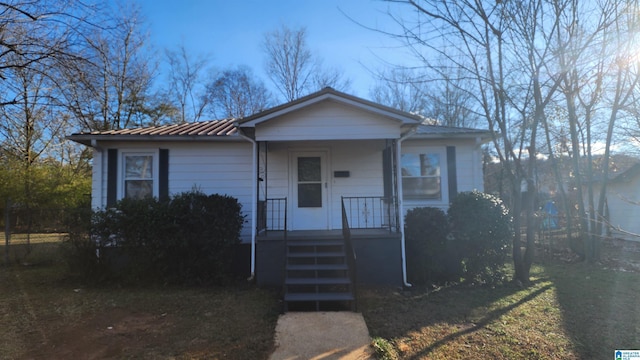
{"x":624,"y":211}
{"x":363,"y":160}
{"x":469,"y":167}
{"x":328,"y":121}
{"x":214,"y":168}
{"x":226,"y":168}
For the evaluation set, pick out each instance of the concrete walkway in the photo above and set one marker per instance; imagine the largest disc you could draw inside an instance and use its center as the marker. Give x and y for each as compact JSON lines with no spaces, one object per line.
{"x":322,"y":336}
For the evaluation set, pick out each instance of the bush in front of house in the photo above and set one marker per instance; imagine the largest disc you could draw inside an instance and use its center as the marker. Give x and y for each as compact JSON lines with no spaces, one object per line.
{"x":209,"y":227}
{"x":430,"y":257}
{"x":78,"y":248}
{"x":188,"y":239}
{"x":482,"y":231}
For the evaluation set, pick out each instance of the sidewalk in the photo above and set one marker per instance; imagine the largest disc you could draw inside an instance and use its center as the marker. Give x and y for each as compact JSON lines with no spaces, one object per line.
{"x":322,"y":336}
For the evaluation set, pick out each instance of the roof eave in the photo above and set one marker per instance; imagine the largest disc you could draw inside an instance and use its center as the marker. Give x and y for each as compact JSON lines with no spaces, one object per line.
{"x":89,"y":140}
{"x":328,"y":94}
{"x":483,"y":137}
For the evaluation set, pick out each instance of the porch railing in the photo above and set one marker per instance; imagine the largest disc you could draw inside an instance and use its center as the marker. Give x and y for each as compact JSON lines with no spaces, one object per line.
{"x":272,"y":214}
{"x":351,"y":255}
{"x":370,"y":212}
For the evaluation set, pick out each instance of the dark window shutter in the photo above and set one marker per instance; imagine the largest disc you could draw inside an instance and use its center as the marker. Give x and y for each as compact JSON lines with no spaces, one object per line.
{"x":452,"y":180}
{"x":112,"y":177}
{"x":163,"y":174}
{"x":387,"y":172}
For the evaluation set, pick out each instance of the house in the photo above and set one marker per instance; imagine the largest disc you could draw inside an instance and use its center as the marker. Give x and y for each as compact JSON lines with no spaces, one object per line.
{"x":318,"y":169}
{"x":622,"y":206}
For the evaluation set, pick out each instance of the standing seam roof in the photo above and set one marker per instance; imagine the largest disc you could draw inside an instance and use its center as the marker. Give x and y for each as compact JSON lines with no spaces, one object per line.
{"x":223,"y":127}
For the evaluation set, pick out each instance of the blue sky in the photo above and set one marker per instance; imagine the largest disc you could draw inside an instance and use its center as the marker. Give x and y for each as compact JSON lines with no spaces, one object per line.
{"x":230,"y":32}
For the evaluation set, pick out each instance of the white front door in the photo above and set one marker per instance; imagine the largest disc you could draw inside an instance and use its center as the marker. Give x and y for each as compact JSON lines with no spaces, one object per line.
{"x":309,"y":191}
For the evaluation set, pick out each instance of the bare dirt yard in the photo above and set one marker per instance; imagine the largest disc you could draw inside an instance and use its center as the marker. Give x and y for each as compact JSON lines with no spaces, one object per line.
{"x":45,"y":315}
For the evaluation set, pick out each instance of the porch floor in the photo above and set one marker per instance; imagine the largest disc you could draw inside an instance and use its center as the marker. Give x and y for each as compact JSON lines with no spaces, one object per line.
{"x":326,"y":234}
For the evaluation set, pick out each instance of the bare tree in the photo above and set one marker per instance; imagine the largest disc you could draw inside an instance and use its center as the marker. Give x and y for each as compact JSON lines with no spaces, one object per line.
{"x":444,"y":100}
{"x":495,"y":68}
{"x":36,"y":33}
{"x":598,"y":94}
{"x":526,"y":58}
{"x":402,"y":89}
{"x":291,"y":66}
{"x":236,"y":93}
{"x":32,"y":124}
{"x":185,"y":86}
{"x":110,"y":88}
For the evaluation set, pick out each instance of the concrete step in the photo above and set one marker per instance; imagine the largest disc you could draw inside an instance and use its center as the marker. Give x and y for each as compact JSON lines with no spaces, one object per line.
{"x":321,"y":267}
{"x":318,"y":281}
{"x":291,"y":243}
{"x":311,"y":254}
{"x":340,"y":296}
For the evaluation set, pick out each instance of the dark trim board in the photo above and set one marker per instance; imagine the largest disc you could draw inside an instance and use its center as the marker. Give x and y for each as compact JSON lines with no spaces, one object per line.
{"x":451,"y":170}
{"x":112,"y":177}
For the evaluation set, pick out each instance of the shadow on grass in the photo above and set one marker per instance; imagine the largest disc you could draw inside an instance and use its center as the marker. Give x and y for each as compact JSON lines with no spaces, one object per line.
{"x":600,"y":307}
{"x":489,"y":318}
{"x":429,"y":321}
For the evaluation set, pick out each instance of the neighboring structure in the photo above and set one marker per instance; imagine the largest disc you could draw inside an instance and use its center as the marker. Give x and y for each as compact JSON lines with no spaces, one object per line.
{"x":321,"y":166}
{"x":622,"y":207}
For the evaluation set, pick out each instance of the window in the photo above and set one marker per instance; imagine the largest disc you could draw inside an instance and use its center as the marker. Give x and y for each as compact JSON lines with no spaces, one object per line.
{"x":421,"y":176}
{"x":138,"y":176}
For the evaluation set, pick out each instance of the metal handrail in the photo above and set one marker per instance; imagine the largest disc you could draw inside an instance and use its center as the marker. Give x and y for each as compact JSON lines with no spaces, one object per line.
{"x":272,"y":214}
{"x":351,"y":254}
{"x":371,"y":212}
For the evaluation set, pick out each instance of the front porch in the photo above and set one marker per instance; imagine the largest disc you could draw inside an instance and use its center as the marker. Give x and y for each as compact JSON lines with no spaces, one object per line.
{"x":369,"y":231}
{"x":378,"y":254}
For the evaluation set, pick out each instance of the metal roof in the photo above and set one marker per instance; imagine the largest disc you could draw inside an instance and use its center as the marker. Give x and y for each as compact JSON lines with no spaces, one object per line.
{"x":228,"y":129}
{"x":203,"y":129}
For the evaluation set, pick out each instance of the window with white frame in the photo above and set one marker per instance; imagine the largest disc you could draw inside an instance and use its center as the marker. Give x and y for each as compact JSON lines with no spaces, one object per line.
{"x":421,"y":176}
{"x":138,"y":175}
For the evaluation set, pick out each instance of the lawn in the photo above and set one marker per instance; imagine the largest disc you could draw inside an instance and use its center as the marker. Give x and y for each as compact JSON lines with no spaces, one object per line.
{"x":570,"y":311}
{"x":45,"y":314}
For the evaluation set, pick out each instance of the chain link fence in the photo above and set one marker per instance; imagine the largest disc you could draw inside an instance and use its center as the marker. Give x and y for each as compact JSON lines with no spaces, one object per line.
{"x":35,"y":235}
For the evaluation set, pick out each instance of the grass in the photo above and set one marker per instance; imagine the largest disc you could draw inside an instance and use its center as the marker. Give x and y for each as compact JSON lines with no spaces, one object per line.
{"x":570,"y":311}
{"x":46,"y":314}
{"x":32,"y":248}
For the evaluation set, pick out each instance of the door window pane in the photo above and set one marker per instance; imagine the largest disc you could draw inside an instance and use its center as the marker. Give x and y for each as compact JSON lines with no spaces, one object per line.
{"x":309,"y":195}
{"x":309,"y":169}
{"x":309,"y":182}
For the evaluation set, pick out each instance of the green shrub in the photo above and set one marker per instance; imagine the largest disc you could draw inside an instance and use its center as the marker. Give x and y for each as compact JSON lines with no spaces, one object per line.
{"x":384,"y":349}
{"x":482,"y":231}
{"x":209,"y":228}
{"x":187,"y":239}
{"x":430,"y":257}
{"x":79,"y":249}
